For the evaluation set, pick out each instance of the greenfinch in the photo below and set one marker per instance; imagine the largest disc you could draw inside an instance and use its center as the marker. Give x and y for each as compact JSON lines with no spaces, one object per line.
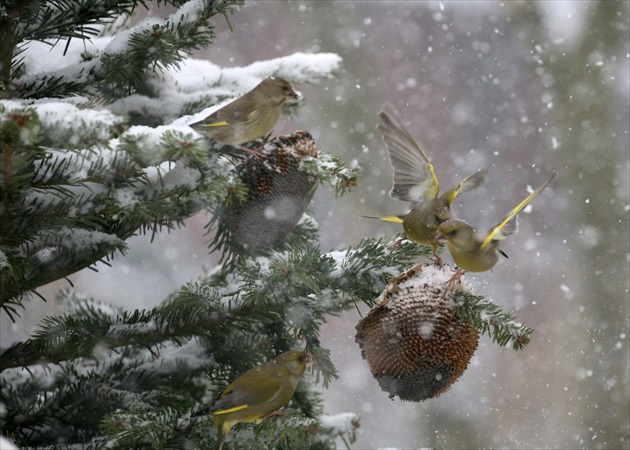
{"x":258,"y":392}
{"x":415,"y":181}
{"x":250,"y":116}
{"x":474,"y":253}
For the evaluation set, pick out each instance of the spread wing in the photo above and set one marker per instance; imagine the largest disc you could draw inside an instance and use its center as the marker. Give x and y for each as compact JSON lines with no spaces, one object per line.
{"x":470,"y":182}
{"x":509,"y":225}
{"x":414,"y":177}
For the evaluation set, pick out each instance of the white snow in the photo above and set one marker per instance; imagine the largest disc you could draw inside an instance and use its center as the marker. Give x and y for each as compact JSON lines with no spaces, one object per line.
{"x":193,"y":354}
{"x":339,"y":423}
{"x":434,"y":275}
{"x":41,"y":57}
{"x":75,"y":238}
{"x":564,"y":19}
{"x":6,"y":444}
{"x":175,"y":87}
{"x":197,"y":78}
{"x":194,"y":79}
{"x":57,"y":114}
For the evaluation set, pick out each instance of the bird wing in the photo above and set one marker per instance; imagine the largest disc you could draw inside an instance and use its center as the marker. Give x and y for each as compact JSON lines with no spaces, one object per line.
{"x":230,"y":114}
{"x":223,"y":118}
{"x":220,"y":123}
{"x":414,"y":177}
{"x":248,"y":393}
{"x":211,"y":121}
{"x":470,"y":182}
{"x":509,"y":225}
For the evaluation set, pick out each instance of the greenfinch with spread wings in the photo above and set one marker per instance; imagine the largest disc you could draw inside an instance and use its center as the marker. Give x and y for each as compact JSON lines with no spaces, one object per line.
{"x":474,"y":253}
{"x":258,"y":392}
{"x":415,"y":181}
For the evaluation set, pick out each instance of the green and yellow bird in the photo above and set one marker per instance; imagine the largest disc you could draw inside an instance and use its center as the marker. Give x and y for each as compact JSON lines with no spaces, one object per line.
{"x":474,"y":253}
{"x":249,"y":117}
{"x":258,"y":392}
{"x":415,"y":181}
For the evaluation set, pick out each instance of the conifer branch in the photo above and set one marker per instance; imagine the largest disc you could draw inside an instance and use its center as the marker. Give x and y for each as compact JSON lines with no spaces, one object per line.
{"x":82,"y":204}
{"x":195,"y":312}
{"x":490,"y":319}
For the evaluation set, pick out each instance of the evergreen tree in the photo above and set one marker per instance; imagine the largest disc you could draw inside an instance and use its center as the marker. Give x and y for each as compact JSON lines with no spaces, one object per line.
{"x":95,"y":149}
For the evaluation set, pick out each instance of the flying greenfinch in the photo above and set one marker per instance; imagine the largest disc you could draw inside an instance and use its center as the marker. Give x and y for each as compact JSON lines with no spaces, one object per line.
{"x":474,"y":253}
{"x":250,"y":116}
{"x":258,"y":392}
{"x":415,"y":181}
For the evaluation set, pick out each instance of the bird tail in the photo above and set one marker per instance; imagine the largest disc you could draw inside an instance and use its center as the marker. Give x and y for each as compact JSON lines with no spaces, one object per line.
{"x":395,"y":219}
{"x":221,"y":440}
{"x":223,"y":428}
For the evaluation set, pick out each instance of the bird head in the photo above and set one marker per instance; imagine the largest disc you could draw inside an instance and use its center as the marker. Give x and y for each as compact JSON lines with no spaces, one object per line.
{"x":295,"y":361}
{"x":279,"y":89}
{"x":458,"y":233}
{"x":441,"y":210}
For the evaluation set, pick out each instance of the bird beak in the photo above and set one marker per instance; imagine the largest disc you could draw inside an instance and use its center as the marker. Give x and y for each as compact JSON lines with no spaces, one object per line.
{"x":439,"y":237}
{"x":293,"y":95}
{"x":309,"y":360}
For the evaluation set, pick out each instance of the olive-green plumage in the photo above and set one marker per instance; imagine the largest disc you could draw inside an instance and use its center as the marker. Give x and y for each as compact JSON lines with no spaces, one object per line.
{"x":415,"y":181}
{"x":474,"y":253}
{"x":249,"y":117}
{"x":258,"y":392}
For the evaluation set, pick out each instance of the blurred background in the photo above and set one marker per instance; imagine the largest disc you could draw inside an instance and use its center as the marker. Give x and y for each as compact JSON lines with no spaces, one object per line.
{"x":519,"y":88}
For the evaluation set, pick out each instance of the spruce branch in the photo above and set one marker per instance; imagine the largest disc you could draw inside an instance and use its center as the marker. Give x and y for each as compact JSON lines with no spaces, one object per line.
{"x":67,"y":19}
{"x":65,"y":211}
{"x":77,"y":183}
{"x":303,"y":287}
{"x":364,"y":270}
{"x":131,"y":378}
{"x":260,"y":307}
{"x":144,"y":429}
{"x":196,"y":312}
{"x":332,"y":170}
{"x":490,"y":319}
{"x":132,"y":57}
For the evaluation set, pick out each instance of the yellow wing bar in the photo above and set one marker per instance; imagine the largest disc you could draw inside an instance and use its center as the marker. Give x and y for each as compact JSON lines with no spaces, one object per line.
{"x":509,"y":223}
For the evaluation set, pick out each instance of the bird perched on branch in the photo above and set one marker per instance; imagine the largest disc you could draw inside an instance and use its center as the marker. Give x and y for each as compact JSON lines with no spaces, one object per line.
{"x":249,"y":117}
{"x":415,"y":182}
{"x":474,"y":253}
{"x":258,"y":392}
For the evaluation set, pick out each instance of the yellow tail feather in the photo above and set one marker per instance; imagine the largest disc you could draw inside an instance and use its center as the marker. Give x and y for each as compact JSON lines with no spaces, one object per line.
{"x":395,"y":219}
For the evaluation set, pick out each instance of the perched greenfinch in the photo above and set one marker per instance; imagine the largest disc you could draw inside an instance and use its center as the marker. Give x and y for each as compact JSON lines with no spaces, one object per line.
{"x":475,"y":253}
{"x":258,"y":392}
{"x":250,"y":116}
{"x":415,"y":181}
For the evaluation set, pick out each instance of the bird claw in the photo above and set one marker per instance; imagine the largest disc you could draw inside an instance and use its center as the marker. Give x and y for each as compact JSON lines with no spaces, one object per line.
{"x":253,"y":152}
{"x":396,"y":245}
{"x":275,"y":413}
{"x":438,"y":260}
{"x":455,"y":278}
